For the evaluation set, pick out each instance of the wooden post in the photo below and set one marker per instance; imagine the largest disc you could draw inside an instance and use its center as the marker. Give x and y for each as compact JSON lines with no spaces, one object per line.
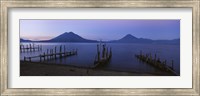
{"x":38,"y":49}
{"x":50,"y":53}
{"x":103,"y":52}
{"x":26,"y":47}
{"x":55,"y":53}
{"x":30,"y":47}
{"x":60,"y":48}
{"x":24,"y":58}
{"x":29,"y":59}
{"x":107,"y":52}
{"x":47,"y":54}
{"x":22,"y":48}
{"x":98,"y":57}
{"x":44,"y":56}
{"x":110,"y":51}
{"x":40,"y":58}
{"x":60,"y":51}
{"x":64,"y":50}
{"x":33,"y":47}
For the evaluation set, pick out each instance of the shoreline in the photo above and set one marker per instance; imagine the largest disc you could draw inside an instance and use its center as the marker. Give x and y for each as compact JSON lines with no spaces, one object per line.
{"x":45,"y":69}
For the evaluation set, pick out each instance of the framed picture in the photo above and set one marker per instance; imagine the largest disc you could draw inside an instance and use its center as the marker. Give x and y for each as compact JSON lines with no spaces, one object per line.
{"x":100,"y":47}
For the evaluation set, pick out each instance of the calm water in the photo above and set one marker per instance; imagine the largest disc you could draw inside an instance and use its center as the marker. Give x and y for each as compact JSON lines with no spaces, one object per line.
{"x":123,"y":55}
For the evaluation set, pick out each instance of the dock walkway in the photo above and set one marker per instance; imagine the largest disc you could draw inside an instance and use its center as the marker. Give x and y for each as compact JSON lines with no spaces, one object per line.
{"x":157,"y":63}
{"x":51,"y":54}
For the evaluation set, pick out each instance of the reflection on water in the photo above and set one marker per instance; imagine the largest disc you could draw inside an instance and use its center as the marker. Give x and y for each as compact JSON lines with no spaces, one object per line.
{"x":123,"y":55}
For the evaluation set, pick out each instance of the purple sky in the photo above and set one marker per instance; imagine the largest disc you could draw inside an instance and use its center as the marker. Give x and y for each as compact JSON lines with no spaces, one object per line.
{"x":100,"y":29}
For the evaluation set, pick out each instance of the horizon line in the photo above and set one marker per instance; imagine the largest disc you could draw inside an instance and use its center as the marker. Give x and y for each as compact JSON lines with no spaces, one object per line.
{"x":97,"y":39}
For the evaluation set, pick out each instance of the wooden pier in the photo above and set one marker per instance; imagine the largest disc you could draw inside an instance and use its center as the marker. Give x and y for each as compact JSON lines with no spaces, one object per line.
{"x":30,"y":48}
{"x":106,"y":56}
{"x":51,"y":54}
{"x":162,"y":65}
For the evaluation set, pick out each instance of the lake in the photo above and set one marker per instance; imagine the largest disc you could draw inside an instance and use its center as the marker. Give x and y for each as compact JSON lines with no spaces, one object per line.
{"x":123,"y":55}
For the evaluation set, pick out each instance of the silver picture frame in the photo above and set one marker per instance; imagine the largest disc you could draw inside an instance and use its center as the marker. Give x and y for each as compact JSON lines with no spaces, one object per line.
{"x":6,"y":4}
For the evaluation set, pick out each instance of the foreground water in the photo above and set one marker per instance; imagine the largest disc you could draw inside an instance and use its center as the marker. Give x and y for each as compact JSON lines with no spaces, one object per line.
{"x":123,"y":55}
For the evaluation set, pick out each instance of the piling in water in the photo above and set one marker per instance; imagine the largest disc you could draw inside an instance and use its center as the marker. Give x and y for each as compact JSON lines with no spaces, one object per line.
{"x":104,"y":59}
{"x":30,"y":48}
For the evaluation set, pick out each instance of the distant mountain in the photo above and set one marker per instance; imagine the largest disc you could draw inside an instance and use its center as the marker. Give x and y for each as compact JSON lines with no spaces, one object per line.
{"x":128,"y":38}
{"x":23,"y":40}
{"x":69,"y":37}
{"x":132,"y":39}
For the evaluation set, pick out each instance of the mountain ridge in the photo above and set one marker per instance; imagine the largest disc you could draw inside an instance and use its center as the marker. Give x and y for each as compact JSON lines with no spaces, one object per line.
{"x":72,"y":37}
{"x":132,"y":39}
{"x":69,"y":37}
{"x":24,"y":40}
